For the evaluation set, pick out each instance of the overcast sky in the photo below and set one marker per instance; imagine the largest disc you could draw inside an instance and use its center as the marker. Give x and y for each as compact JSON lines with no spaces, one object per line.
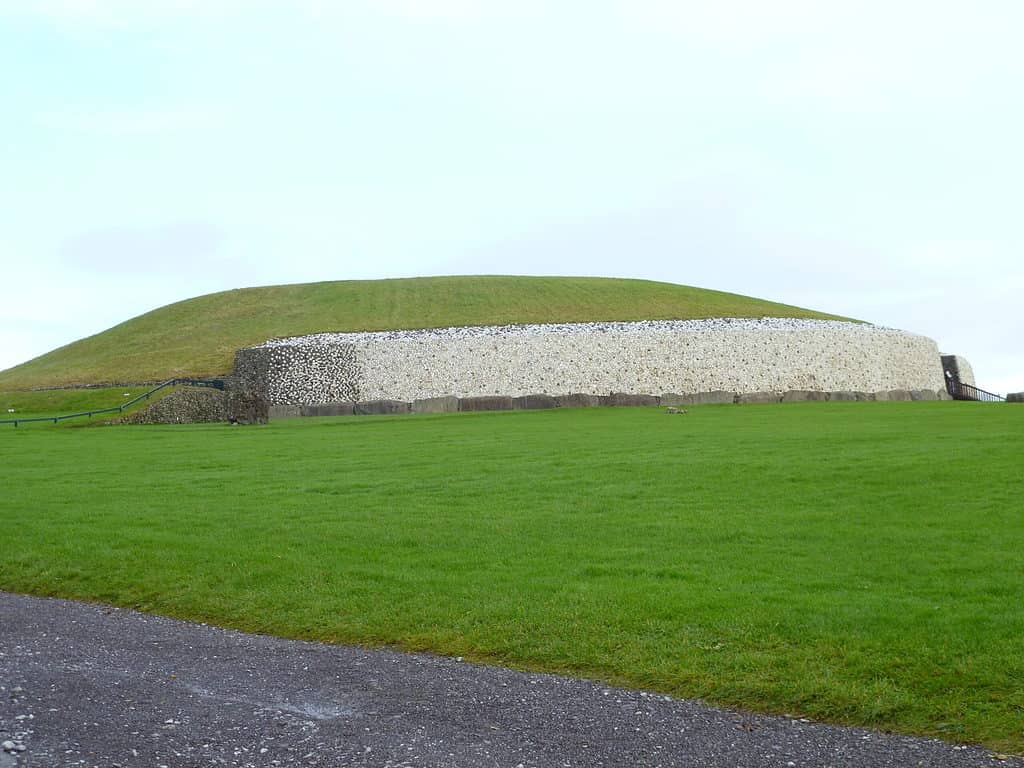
{"x":862,"y":158}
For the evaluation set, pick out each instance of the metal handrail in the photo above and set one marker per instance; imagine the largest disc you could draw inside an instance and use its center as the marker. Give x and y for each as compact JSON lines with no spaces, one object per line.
{"x":213,"y":383}
{"x":961,"y":391}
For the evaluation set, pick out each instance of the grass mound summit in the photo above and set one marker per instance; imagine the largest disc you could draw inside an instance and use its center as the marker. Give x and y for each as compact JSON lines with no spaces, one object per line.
{"x":198,"y":337}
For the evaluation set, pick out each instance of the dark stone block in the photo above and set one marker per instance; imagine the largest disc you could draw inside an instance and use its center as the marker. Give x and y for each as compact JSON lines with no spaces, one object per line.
{"x":327,"y":409}
{"x":847,"y":396}
{"x":714,"y":397}
{"x":284,"y":411}
{"x":630,"y":400}
{"x":579,"y":400}
{"x":247,"y":408}
{"x":759,"y":397}
{"x":447,"y":404}
{"x":533,"y":402}
{"x":803,"y":395}
{"x":923,"y":394}
{"x":486,"y":403}
{"x":893,"y":395}
{"x":378,"y":407}
{"x":1015,"y":397}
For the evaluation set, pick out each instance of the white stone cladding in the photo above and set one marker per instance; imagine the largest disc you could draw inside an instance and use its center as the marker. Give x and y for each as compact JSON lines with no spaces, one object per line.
{"x":649,"y":357}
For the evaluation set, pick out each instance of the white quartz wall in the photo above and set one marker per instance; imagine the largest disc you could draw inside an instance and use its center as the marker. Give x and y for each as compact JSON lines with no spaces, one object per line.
{"x":654,"y":357}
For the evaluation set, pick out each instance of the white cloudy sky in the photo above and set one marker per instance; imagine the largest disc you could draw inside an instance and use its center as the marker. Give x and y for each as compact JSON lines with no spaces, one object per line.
{"x":863,"y":158}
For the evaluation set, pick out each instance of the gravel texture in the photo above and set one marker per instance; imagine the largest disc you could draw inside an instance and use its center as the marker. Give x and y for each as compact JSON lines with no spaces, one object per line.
{"x":184,"y":406}
{"x":649,"y":357}
{"x":88,"y":685}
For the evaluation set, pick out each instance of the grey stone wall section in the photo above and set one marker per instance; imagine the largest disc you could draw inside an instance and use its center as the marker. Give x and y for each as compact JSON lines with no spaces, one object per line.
{"x":344,"y":408}
{"x":593,"y":359}
{"x":380,"y":407}
{"x":444,"y":404}
{"x":1015,"y":397}
{"x":758,"y":397}
{"x":300,"y":374}
{"x":632,"y":400}
{"x":851,"y":396}
{"x":580,"y":400}
{"x":534,"y":402}
{"x":718,"y":397}
{"x":486,"y":403}
{"x":184,"y":406}
{"x":802,"y":395}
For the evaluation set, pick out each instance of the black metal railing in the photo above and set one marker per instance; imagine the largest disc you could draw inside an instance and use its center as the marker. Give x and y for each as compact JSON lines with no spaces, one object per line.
{"x":212,"y":383}
{"x":961,"y":391}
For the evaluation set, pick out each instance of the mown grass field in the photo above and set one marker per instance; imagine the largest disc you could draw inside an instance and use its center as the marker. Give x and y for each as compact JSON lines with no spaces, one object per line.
{"x":199,"y":337}
{"x":853,"y":562}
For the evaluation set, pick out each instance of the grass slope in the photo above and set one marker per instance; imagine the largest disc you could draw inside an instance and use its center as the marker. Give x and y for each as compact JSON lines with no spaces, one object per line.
{"x":199,"y":336}
{"x":853,"y":562}
{"x":57,"y":402}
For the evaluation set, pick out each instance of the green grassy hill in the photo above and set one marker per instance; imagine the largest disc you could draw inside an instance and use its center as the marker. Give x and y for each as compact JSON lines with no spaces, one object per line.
{"x":198,"y":337}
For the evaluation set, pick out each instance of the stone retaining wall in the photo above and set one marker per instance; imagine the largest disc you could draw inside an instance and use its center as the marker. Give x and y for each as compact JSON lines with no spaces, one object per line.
{"x":184,"y":406}
{"x":742,"y":357}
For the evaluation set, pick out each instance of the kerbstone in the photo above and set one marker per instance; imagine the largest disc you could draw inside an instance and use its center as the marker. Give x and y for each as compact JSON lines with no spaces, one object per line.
{"x":894,"y":395}
{"x":378,"y":407}
{"x":534,"y":402}
{"x":445,"y":404}
{"x":580,"y":400}
{"x":1015,"y":397}
{"x":495,"y":403}
{"x":802,"y":395}
{"x":631,"y":400}
{"x":327,"y":409}
{"x":752,"y":398}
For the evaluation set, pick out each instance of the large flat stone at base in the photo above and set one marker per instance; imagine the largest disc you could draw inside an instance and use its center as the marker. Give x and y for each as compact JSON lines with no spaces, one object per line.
{"x":803,"y":395}
{"x":923,"y":394}
{"x":719,"y":396}
{"x":1015,"y":397}
{"x":284,"y":411}
{"x":748,"y":398}
{"x":377,"y":407}
{"x":629,"y":400}
{"x":327,"y":409}
{"x":486,"y":403}
{"x":448,"y":404}
{"x":580,"y":400}
{"x":893,"y":395}
{"x":845,"y":396}
{"x":534,"y":402}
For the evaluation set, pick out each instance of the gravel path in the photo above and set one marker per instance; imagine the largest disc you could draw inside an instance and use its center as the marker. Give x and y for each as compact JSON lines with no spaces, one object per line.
{"x":97,"y":686}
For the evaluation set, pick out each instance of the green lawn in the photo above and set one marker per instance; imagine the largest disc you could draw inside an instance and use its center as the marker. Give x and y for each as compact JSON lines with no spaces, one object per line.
{"x":853,"y":562}
{"x":199,"y":337}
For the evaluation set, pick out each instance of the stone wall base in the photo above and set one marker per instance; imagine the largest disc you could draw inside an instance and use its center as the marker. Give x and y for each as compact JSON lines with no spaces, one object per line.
{"x":452,"y":404}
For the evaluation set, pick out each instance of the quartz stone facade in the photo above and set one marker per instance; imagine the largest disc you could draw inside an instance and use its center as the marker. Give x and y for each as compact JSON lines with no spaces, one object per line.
{"x":650,"y":357}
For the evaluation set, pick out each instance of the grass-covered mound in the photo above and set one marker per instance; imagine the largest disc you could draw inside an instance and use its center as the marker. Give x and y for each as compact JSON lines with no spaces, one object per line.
{"x":198,"y":337}
{"x":853,"y":562}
